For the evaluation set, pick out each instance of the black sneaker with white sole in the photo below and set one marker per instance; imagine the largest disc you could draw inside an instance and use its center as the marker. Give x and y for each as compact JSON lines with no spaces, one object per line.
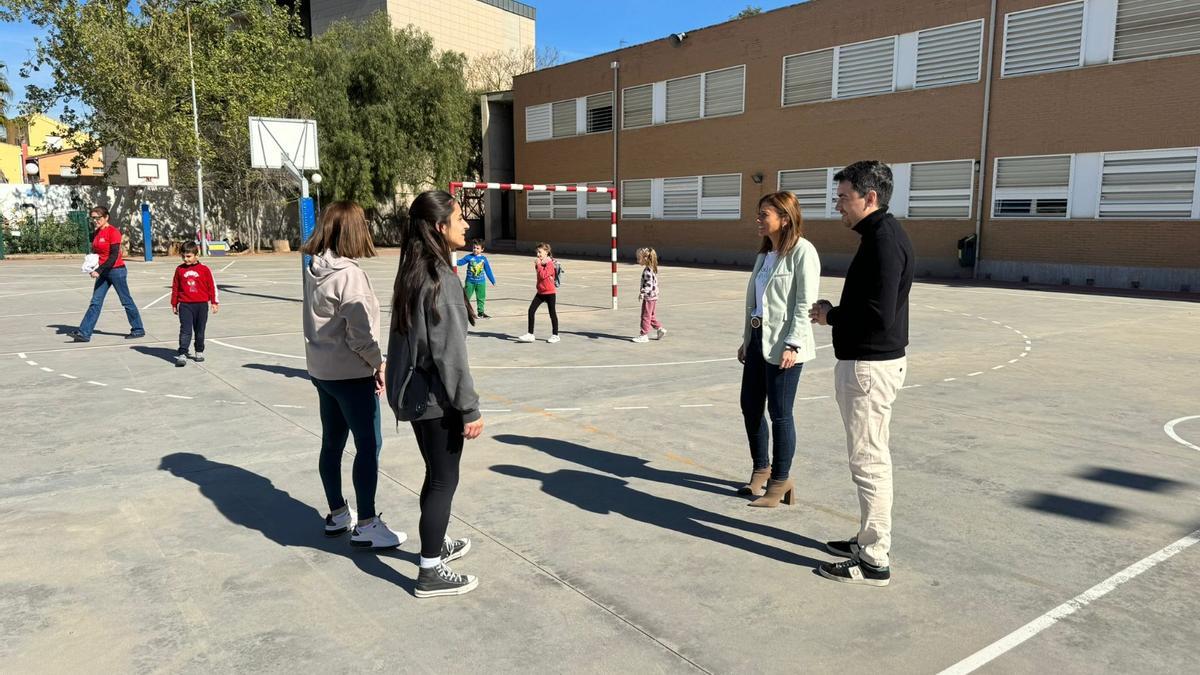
{"x":846,"y":549}
{"x":453,"y":549}
{"x":855,"y":571}
{"x":441,"y":580}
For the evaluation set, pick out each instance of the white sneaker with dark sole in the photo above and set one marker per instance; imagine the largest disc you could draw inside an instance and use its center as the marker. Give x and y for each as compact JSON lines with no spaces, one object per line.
{"x":338,"y":524}
{"x":662,"y":333}
{"x":641,"y":338}
{"x":433,"y":582}
{"x":528,"y":337}
{"x":199,"y":357}
{"x":553,"y":338}
{"x":453,"y":549}
{"x":376,"y":535}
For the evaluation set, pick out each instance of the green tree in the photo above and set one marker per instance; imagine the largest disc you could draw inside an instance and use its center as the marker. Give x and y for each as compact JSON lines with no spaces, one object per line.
{"x":6,"y":92}
{"x":121,"y":73}
{"x":391,"y":111}
{"x":750,"y":10}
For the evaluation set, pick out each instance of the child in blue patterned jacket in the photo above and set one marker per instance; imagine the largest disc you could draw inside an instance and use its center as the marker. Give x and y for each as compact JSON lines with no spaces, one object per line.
{"x":477,"y":267}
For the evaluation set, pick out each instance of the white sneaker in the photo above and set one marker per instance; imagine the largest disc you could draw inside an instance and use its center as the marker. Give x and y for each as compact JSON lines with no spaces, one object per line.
{"x":553,"y":338}
{"x":376,"y":535}
{"x":335,"y":526}
{"x":528,"y":337}
{"x":662,"y":333}
{"x":642,"y":338}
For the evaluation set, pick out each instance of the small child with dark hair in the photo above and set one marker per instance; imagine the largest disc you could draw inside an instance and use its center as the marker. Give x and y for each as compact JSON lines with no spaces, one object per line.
{"x":192,"y":290}
{"x":477,"y":267}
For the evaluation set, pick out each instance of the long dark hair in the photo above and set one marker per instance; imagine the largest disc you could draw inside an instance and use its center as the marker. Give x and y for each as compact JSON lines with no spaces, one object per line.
{"x":423,"y":251}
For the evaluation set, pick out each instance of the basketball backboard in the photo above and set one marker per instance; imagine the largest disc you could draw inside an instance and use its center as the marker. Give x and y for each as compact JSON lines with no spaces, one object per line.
{"x":144,"y":172}
{"x":272,"y":137}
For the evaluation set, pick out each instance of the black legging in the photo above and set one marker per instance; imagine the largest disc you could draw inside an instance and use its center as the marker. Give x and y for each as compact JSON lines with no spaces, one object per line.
{"x":549,"y":299}
{"x":441,"y":444}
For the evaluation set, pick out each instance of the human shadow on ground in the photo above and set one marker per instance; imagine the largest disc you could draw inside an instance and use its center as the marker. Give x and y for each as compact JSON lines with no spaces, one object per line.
{"x":252,"y":501}
{"x":278,"y":370}
{"x":608,"y":495}
{"x":165,"y":353}
{"x":625,"y":466}
{"x":505,"y":337}
{"x":1132,"y":480}
{"x":1071,"y":507}
{"x":236,"y":290}
{"x":595,"y":335}
{"x":63,"y":329}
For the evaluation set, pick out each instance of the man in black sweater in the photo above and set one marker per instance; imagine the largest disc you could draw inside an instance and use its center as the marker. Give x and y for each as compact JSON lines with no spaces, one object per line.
{"x":870,"y":332}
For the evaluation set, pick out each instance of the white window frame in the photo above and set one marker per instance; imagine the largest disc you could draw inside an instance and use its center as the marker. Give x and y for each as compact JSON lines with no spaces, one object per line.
{"x":1004,"y":38}
{"x":1070,"y":189}
{"x":830,"y":192}
{"x":638,"y":213}
{"x":970,"y":191}
{"x":978,"y":56}
{"x":783,"y":79}
{"x":1195,"y":186}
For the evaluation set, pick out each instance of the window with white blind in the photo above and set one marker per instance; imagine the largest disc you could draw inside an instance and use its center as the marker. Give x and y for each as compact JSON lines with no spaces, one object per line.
{"x":637,"y":106}
{"x":866,"y":68}
{"x":636,"y":198}
{"x":721,"y":197}
{"x":1156,"y":28}
{"x":808,"y":77}
{"x":1031,"y":187}
{"x":598,"y":205}
{"x":537,"y":205}
{"x":941,"y":189}
{"x":1155,"y":184}
{"x":599,"y":112}
{"x":683,"y":98}
{"x":1043,"y":39}
{"x":813,"y":188}
{"x":949,"y":54}
{"x":537,"y":123}
{"x":724,"y":93}
{"x":563,"y":118}
{"x":681,"y":198}
{"x":566,"y":205}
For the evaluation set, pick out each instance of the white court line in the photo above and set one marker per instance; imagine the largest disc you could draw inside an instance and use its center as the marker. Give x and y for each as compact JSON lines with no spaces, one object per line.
{"x":996,"y":649}
{"x":293,"y":407}
{"x":21,"y":355}
{"x":186,"y":398}
{"x":256,"y":351}
{"x":1169,"y":427}
{"x":231,"y":402}
{"x":812,"y":398}
{"x":226,"y":267}
{"x":495,"y":410}
{"x":632,"y":407}
{"x":695,"y":405}
{"x":950,"y":379}
{"x":69,"y":377}
{"x":1012,"y":360}
{"x":562,"y":409}
{"x":48,"y":370}
{"x":98,"y":384}
{"x":54,"y":290}
{"x":136,"y":391}
{"x":911,"y":386}
{"x":156,"y":300}
{"x":997,"y":367}
{"x":78,"y":348}
{"x":978,"y":372}
{"x":32,"y":363}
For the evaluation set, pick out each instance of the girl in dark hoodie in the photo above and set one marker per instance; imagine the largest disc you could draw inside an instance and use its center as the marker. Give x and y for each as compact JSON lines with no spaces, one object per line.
{"x":429,"y":379}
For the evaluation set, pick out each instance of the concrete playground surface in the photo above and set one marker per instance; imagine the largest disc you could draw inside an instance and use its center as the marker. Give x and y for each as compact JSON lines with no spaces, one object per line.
{"x":1047,"y":452}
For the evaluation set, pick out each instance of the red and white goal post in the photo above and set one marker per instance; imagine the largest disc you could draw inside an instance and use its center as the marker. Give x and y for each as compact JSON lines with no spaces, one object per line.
{"x":524,"y":187}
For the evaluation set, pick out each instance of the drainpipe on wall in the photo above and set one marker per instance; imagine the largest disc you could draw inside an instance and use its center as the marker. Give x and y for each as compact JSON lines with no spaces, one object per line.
{"x":616,"y":70}
{"x":983,"y":141}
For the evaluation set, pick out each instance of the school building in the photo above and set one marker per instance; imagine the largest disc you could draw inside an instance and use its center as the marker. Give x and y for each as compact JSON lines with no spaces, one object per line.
{"x":1063,"y":135}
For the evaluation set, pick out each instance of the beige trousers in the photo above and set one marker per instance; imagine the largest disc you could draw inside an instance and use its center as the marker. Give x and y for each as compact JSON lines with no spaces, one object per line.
{"x":865,"y":393}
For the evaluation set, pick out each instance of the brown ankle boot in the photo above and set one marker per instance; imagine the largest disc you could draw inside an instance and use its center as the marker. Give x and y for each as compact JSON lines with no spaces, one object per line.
{"x":777,"y":490}
{"x":758,"y":478}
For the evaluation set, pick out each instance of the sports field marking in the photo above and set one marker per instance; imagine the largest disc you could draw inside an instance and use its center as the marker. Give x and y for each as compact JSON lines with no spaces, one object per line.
{"x":632,"y":407}
{"x":186,"y":398}
{"x":98,"y":384}
{"x":1020,"y":635}
{"x":695,"y":405}
{"x":1169,"y":427}
{"x":69,"y":377}
{"x":978,"y":372}
{"x":226,"y":267}
{"x":562,"y":409}
{"x":48,"y":370}
{"x":291,"y":407}
{"x":20,"y":355}
{"x":156,"y":300}
{"x":136,"y":391}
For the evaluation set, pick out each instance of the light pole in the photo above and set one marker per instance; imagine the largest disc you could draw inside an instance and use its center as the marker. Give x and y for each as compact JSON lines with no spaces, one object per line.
{"x":196,"y":130}
{"x":316,"y":180}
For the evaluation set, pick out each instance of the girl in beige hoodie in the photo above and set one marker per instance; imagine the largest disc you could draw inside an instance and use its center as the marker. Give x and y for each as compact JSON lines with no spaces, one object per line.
{"x":345,"y":363}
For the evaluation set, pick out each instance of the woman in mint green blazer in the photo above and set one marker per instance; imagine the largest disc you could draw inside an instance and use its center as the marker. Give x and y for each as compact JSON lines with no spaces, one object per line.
{"x":777,"y":341}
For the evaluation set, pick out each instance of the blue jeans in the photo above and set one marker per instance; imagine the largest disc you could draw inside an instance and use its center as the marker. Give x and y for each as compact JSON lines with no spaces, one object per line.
{"x":116,"y":278}
{"x":767,"y":387}
{"x":350,"y":407}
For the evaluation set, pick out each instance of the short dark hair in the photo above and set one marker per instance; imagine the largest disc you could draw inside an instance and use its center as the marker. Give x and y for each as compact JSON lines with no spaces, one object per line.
{"x":477,"y":242}
{"x":868,"y":175}
{"x":99,"y":210}
{"x":188,"y":247}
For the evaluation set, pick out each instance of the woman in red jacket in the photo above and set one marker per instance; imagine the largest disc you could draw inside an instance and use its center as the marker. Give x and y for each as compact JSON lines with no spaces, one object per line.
{"x":107,"y":244}
{"x":547,"y":292}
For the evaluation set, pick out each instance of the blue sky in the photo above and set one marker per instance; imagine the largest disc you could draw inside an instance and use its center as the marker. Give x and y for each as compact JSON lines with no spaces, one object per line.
{"x":577,"y":28}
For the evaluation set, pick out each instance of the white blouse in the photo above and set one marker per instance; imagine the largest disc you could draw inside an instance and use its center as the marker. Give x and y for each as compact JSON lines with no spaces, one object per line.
{"x":760,"y":281}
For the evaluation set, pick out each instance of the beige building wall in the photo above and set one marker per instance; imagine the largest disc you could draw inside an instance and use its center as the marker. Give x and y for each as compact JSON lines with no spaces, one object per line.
{"x":472,"y":27}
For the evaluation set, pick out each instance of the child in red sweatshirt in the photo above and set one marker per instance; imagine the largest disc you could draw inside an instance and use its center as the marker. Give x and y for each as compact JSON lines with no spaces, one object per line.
{"x":192,"y":290}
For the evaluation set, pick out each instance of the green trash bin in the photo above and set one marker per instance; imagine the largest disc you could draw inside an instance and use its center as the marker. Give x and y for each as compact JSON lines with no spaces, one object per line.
{"x":79,"y":219}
